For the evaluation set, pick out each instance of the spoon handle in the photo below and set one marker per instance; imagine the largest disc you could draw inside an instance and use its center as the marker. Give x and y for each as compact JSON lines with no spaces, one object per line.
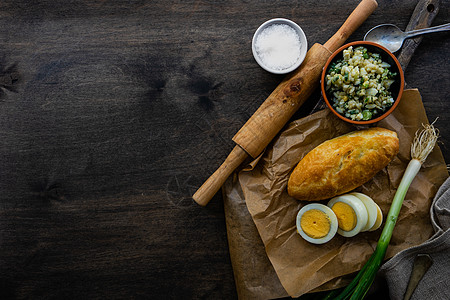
{"x":413,"y":33}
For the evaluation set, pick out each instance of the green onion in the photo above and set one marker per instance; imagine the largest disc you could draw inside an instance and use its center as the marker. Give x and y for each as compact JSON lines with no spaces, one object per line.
{"x":392,"y":74}
{"x":367,"y":114}
{"x":422,"y":145}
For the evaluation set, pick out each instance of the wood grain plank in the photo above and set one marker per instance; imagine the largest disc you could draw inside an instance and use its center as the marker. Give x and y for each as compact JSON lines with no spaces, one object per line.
{"x":112,"y":113}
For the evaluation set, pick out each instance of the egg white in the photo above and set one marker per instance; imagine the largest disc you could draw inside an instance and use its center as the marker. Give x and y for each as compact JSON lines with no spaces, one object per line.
{"x":328,"y":212}
{"x":371,"y":207}
{"x":360,"y":212}
{"x":379,"y":220}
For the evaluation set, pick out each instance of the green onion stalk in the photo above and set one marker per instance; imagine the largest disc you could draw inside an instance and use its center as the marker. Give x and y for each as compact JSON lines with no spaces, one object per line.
{"x":423,"y":144}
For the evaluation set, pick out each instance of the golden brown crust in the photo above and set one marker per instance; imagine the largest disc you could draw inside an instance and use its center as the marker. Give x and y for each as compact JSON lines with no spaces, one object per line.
{"x":342,"y":164}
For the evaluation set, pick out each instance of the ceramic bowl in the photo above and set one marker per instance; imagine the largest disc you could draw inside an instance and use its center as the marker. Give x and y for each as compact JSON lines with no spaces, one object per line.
{"x":396,"y":88}
{"x":302,"y":40}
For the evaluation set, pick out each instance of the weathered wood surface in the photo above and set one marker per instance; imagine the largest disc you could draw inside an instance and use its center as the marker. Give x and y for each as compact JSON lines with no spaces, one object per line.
{"x":112,"y":114}
{"x":422,"y":17}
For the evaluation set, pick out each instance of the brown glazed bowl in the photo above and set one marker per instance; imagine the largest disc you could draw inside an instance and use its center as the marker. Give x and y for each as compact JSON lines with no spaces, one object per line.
{"x":396,"y":88}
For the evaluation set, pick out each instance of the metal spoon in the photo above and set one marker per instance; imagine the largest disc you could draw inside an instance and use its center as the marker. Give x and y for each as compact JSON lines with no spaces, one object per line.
{"x":391,"y":37}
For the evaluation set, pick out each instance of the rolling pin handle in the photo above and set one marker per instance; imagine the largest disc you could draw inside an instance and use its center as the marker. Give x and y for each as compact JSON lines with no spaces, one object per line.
{"x":205,"y":193}
{"x":364,"y":9}
{"x":237,"y":156}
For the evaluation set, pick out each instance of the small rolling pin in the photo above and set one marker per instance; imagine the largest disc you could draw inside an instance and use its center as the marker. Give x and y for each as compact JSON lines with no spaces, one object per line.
{"x":281,"y":105}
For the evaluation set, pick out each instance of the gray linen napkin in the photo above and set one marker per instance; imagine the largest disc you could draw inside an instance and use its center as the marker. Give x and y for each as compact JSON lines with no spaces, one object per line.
{"x":436,"y":282}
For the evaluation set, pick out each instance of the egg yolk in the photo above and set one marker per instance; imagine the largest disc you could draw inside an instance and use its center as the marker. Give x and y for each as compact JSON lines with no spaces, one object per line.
{"x":346,"y":216}
{"x":315,"y":223}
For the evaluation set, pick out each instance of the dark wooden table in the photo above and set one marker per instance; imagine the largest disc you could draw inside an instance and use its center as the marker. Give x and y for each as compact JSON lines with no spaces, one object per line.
{"x":112,"y":114}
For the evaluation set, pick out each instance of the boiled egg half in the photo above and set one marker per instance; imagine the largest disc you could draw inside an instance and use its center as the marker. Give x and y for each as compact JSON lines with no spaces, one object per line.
{"x":356,"y":212}
{"x":316,"y":223}
{"x":351,"y":214}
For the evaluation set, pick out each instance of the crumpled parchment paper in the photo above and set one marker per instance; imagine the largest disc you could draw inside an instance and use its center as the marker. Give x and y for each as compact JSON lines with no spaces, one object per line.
{"x":270,"y":259}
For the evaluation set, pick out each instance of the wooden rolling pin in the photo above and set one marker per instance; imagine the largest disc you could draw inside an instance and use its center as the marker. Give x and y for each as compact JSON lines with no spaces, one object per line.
{"x":281,"y":105}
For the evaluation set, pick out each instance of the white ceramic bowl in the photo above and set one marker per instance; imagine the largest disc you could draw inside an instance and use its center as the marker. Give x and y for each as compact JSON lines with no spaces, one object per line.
{"x":303,"y":45}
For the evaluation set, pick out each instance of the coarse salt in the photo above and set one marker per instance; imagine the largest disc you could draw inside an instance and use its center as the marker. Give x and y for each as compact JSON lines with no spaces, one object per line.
{"x":278,"y":46}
